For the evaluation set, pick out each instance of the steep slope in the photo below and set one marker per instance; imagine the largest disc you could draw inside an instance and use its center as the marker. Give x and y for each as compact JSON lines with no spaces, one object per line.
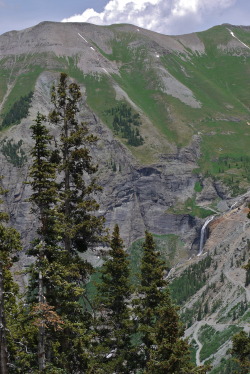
{"x":180,"y":85}
{"x":214,"y":298}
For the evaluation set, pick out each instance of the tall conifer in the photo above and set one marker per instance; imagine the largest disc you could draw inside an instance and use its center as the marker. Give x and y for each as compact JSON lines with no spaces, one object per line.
{"x":150,"y":296}
{"x":81,"y":228}
{"x":162,"y":349}
{"x":44,"y":199}
{"x":9,"y":245}
{"x":170,"y":352}
{"x":68,"y":225}
{"x":241,"y":351}
{"x":114,"y":324}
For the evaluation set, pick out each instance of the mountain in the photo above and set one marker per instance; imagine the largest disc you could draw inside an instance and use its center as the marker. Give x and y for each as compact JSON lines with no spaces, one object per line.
{"x":172,"y":116}
{"x":214,"y":295}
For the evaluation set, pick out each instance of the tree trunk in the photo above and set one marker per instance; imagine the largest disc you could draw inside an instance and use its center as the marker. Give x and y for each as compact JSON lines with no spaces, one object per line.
{"x":3,"y":343}
{"x":41,"y":331}
{"x":67,"y":241}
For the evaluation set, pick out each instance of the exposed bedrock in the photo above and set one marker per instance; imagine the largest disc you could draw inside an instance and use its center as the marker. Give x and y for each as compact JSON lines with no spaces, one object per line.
{"x":137,"y":197}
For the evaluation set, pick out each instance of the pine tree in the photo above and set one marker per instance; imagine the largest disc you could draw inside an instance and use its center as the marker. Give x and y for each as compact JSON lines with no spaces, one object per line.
{"x":9,"y":245}
{"x":170,"y":353}
{"x":241,"y":351}
{"x":44,"y":187}
{"x":80,"y":227}
{"x":114,"y":325}
{"x":150,"y":296}
{"x":44,"y":199}
{"x":247,"y":268}
{"x":163,"y":349}
{"x":68,"y":225}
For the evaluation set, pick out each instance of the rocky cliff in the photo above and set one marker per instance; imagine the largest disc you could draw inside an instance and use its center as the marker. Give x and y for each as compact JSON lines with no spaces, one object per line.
{"x":137,"y":197}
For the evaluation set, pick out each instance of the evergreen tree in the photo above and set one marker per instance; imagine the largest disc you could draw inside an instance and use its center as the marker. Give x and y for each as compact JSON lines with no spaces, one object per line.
{"x":150,"y":296}
{"x":114,"y":325}
{"x":9,"y":245}
{"x":68,"y":225}
{"x":247,"y":268}
{"x":44,"y":188}
{"x":241,"y":352}
{"x":80,"y":227}
{"x":44,"y":199}
{"x":170,"y":353}
{"x":163,"y":349}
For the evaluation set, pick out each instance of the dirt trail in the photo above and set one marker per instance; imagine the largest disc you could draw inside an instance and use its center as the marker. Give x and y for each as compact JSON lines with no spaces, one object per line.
{"x":216,"y":326}
{"x":195,"y":336}
{"x":237,"y":283}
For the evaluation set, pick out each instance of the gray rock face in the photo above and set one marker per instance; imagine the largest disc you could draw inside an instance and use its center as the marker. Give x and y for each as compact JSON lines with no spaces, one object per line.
{"x":136,"y":197}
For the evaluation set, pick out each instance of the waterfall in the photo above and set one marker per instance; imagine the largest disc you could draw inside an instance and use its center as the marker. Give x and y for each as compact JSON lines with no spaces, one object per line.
{"x":203,"y":234}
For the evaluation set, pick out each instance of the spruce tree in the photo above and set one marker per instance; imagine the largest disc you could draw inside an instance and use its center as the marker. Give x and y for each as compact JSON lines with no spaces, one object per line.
{"x":44,"y":198}
{"x":114,"y":324}
{"x":68,"y":225}
{"x":9,"y":245}
{"x":150,"y":296}
{"x":169,"y":353}
{"x":162,"y":348}
{"x":241,"y":351}
{"x":80,"y":227}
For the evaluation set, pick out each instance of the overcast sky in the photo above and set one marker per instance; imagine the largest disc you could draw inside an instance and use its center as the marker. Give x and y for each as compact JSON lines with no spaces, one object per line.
{"x":165,"y":16}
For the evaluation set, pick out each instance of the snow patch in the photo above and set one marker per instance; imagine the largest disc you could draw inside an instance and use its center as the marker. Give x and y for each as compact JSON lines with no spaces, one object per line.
{"x":105,"y":71}
{"x":83,"y":38}
{"x":245,"y":45}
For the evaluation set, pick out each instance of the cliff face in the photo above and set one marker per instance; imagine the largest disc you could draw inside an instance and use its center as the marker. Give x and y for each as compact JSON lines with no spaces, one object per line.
{"x":137,"y":197}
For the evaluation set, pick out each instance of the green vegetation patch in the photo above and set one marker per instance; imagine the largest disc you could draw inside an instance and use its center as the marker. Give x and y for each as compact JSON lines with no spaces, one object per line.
{"x":236,"y":312}
{"x":212,"y":340}
{"x":91,"y":289}
{"x":246,"y":317}
{"x":190,"y":281}
{"x":18,"y":111}
{"x":198,"y":187}
{"x":227,"y":157}
{"x":226,"y":366}
{"x":194,"y":347}
{"x":24,"y":85}
{"x":126,"y":123}
{"x":190,"y":207}
{"x":189,"y":315}
{"x":13,"y":152}
{"x":3,"y":83}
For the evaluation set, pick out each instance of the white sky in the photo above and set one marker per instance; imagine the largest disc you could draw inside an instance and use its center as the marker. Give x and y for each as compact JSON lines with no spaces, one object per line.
{"x":165,"y":16}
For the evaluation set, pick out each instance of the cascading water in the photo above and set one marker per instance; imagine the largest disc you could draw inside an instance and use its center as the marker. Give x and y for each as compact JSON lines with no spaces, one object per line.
{"x":203,"y":235}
